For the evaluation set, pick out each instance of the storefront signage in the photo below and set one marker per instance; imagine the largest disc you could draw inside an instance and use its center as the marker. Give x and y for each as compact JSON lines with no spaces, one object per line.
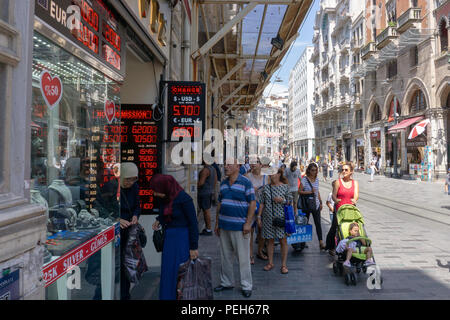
{"x":9,"y":286}
{"x":420,"y":141}
{"x":56,"y":269}
{"x":186,"y":107}
{"x":51,"y":88}
{"x":90,"y":24}
{"x":142,"y":144}
{"x":157,"y":22}
{"x":375,"y":135}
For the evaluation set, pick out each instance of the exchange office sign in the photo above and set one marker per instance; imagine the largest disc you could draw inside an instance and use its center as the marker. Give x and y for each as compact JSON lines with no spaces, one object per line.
{"x":186,"y":106}
{"x":90,"y":24}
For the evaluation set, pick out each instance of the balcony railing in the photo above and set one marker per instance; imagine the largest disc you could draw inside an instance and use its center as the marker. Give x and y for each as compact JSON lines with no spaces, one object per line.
{"x":407,"y":19}
{"x":385,"y":36}
{"x":368,"y":49}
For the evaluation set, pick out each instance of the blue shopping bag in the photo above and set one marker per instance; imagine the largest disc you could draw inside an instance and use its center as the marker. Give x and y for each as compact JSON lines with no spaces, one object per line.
{"x":289,"y":217}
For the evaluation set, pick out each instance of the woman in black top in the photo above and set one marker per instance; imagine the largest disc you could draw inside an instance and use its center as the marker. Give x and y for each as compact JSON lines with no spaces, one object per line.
{"x":130,"y":211}
{"x":178,"y":216}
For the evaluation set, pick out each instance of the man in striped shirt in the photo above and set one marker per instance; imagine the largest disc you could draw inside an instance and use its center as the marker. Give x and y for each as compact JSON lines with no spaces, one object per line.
{"x":235,"y":210}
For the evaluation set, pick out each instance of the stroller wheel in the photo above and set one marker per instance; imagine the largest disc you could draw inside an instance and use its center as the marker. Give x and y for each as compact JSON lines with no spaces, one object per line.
{"x":358,"y":270}
{"x":347,"y":279}
{"x":341,"y":269}
{"x":353,"y":279}
{"x":335,"y":268}
{"x":364,"y":269}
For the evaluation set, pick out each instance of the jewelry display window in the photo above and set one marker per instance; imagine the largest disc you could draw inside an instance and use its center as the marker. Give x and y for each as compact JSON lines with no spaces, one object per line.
{"x":75,"y":151}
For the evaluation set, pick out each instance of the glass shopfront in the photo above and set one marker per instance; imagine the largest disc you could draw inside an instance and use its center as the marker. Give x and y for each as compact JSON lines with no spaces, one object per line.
{"x":74,"y":151}
{"x":390,"y":152}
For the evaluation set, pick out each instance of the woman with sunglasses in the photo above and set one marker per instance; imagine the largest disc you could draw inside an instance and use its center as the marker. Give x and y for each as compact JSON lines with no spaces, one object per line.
{"x":345,"y":191}
{"x":309,"y":184}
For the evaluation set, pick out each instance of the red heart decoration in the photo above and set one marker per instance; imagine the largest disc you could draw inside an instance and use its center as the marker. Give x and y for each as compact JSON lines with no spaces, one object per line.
{"x":51,"y":89}
{"x":110,"y":111}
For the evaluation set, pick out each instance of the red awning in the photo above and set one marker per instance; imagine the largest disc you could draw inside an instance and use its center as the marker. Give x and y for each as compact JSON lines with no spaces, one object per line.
{"x":404,"y":124}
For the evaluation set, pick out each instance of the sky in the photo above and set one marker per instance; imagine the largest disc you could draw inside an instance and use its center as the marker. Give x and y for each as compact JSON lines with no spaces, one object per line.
{"x":290,"y":59}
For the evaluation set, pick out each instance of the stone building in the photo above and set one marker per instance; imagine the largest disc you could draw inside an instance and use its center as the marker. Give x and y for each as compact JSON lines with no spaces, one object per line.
{"x":301,"y":100}
{"x":406,"y":80}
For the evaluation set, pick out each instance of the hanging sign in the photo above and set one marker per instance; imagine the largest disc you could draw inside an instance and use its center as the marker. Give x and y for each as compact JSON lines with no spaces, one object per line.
{"x":141,"y":143}
{"x":186,"y":107}
{"x":51,"y":88}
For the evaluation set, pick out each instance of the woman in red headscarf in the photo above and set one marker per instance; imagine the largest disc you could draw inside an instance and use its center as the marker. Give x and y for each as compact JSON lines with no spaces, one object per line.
{"x":178,"y":216}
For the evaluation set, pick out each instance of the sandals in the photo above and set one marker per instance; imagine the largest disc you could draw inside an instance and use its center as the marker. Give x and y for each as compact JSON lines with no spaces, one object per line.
{"x":268,"y":267}
{"x":284,"y":270}
{"x":262,"y":257}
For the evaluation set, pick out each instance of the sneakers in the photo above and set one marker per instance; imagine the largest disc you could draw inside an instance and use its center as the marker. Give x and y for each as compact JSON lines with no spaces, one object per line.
{"x":369,"y":263}
{"x":206,"y":233}
{"x":347,"y":264}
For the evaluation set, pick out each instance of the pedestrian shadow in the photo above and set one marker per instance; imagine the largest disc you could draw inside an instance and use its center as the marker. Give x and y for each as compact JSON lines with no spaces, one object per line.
{"x":445,"y":207}
{"x":439,"y":263}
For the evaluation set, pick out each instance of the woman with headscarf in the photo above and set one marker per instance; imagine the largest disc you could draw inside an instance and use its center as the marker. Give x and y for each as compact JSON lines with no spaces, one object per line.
{"x":178,"y":217}
{"x":130,"y":211}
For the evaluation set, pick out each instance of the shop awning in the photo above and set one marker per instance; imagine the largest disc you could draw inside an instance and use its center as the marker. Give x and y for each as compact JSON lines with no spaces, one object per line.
{"x":404,"y":124}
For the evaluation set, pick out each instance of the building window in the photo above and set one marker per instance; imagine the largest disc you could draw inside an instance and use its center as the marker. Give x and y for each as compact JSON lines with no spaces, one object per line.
{"x":443,"y":35}
{"x":414,"y":54}
{"x":391,"y":69}
{"x":359,"y":119}
{"x":376,"y":113}
{"x":418,"y":102}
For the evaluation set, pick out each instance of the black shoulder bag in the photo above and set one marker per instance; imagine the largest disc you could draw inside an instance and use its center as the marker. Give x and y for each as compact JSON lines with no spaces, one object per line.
{"x":277,"y":221}
{"x":309,"y":200}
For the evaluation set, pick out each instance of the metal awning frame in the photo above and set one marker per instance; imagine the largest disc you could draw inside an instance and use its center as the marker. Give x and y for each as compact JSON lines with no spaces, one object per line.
{"x":233,"y":88}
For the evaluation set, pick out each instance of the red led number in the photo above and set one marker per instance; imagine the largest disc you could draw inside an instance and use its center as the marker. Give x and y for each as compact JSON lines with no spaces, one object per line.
{"x":139,"y":138}
{"x":186,"y":110}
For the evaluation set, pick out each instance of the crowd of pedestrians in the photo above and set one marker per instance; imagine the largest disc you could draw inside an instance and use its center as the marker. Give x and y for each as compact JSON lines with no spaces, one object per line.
{"x":250,"y":202}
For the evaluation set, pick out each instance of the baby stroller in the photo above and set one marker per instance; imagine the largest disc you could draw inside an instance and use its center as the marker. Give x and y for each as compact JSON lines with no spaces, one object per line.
{"x":346,"y":215}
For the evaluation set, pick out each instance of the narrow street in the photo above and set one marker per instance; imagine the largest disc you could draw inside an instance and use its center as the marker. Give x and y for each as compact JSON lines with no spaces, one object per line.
{"x":407,"y":244}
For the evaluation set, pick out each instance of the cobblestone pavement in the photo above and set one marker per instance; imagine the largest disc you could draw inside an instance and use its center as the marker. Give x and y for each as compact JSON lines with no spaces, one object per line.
{"x":408,"y":222}
{"x":408,"y":248}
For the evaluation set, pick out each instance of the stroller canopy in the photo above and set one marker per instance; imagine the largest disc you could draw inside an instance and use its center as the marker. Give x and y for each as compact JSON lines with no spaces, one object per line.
{"x":349,"y":213}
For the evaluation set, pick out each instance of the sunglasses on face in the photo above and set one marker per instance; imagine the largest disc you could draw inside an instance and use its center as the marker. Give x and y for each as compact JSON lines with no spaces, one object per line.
{"x":346,"y":170}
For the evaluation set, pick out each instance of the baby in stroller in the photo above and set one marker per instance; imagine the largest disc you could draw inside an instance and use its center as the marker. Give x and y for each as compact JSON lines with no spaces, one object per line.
{"x":355,"y":246}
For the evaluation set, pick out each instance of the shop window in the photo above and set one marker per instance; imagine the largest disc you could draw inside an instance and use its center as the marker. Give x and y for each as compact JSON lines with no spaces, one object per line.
{"x":73,"y":146}
{"x":443,"y":35}
{"x":418,"y":102}
{"x":376,"y":113}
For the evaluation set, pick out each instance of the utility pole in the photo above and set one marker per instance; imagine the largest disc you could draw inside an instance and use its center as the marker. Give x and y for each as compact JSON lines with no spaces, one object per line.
{"x":394,"y":142}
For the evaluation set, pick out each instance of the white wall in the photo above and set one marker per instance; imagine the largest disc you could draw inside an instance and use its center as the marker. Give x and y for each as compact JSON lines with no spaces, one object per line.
{"x":140,"y":88}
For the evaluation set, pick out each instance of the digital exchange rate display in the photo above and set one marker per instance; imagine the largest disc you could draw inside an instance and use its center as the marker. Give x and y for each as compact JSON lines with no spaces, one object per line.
{"x":186,"y":106}
{"x":141,"y":143}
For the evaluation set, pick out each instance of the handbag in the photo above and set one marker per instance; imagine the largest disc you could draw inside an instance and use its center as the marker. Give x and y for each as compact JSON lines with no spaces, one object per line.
{"x":158,"y":239}
{"x":194,"y":280}
{"x":289,"y":226}
{"x":134,"y":259}
{"x":277,"y":221}
{"x":308,"y":200}
{"x":141,"y":235}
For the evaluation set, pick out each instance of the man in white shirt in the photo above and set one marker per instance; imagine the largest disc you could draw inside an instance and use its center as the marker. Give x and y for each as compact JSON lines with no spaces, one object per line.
{"x":293,"y":174}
